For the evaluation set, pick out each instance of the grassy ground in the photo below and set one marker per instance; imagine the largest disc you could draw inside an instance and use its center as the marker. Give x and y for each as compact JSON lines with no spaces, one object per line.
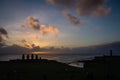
{"x":52,"y":70}
{"x":39,"y":70}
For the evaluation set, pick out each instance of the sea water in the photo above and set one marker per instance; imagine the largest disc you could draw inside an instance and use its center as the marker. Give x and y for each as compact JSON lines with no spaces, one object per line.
{"x":70,"y":59}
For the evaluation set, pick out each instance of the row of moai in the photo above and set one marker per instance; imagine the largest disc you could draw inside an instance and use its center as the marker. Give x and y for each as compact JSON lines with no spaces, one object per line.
{"x":30,"y":57}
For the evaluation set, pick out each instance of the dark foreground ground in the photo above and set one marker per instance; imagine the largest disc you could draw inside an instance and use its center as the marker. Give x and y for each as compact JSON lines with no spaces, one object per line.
{"x":39,"y":70}
{"x":52,"y":70}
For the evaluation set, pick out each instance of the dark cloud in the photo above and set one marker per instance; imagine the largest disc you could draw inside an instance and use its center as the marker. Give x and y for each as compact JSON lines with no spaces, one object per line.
{"x":63,"y":3}
{"x":84,"y":7}
{"x":90,"y":50}
{"x":14,"y":49}
{"x":2,"y":44}
{"x":92,"y":7}
{"x":3,"y":33}
{"x":34,"y":23}
{"x":71,"y":18}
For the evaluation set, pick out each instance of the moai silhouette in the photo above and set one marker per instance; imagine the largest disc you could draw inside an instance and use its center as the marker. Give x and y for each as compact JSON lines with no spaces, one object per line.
{"x":28,"y":57}
{"x":32,"y":56}
{"x":36,"y":57}
{"x":23,"y":56}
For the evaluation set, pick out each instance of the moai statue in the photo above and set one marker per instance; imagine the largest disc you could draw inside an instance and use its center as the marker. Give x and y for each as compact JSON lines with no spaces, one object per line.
{"x":36,"y":57}
{"x":28,"y":57}
{"x":23,"y":56}
{"x":32,"y":56}
{"x":40,"y":58}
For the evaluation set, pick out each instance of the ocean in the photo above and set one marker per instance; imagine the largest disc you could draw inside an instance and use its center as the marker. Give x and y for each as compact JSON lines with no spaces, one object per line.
{"x":64,"y":58}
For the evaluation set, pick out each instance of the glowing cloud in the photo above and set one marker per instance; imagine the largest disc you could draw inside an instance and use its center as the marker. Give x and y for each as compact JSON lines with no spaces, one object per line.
{"x":26,"y":43}
{"x":36,"y":25}
{"x":49,"y":29}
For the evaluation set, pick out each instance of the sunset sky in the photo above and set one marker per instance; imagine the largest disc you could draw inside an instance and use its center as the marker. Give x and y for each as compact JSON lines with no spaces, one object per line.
{"x":60,"y":23}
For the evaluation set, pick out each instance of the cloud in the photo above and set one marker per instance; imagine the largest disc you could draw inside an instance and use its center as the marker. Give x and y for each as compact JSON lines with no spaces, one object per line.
{"x":64,"y":3}
{"x":26,"y":43}
{"x":33,"y":23}
{"x":14,"y":49}
{"x":33,"y":36}
{"x":1,"y":42}
{"x":84,"y":7}
{"x":92,"y":7}
{"x":49,"y":29}
{"x":3,"y":34}
{"x":95,"y":8}
{"x":0,"y":38}
{"x":36,"y":25}
{"x":71,"y":18}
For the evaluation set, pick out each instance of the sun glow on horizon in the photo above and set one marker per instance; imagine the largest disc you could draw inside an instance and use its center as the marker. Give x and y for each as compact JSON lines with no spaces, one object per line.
{"x":41,"y":52}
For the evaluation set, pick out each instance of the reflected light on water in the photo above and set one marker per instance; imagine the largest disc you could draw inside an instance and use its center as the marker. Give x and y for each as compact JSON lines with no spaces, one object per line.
{"x":41,"y":52}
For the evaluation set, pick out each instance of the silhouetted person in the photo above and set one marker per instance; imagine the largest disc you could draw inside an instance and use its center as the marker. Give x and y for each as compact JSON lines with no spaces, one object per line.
{"x":23,"y":57}
{"x":36,"y":57}
{"x":28,"y":57}
{"x":32,"y":56}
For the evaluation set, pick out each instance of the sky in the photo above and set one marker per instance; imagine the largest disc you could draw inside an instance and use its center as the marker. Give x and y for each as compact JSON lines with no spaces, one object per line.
{"x":59,"y":23}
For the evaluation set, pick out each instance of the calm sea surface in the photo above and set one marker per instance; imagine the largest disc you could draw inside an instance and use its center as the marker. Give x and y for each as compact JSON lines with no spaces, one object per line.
{"x":64,"y":58}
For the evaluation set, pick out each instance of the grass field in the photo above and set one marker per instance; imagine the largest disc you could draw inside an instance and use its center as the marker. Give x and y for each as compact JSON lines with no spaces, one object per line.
{"x":39,"y":70}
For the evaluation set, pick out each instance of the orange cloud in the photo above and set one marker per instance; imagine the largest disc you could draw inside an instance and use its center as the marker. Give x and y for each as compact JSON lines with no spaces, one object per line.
{"x":50,"y":29}
{"x":36,"y":25}
{"x":26,"y":43}
{"x":31,"y":40}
